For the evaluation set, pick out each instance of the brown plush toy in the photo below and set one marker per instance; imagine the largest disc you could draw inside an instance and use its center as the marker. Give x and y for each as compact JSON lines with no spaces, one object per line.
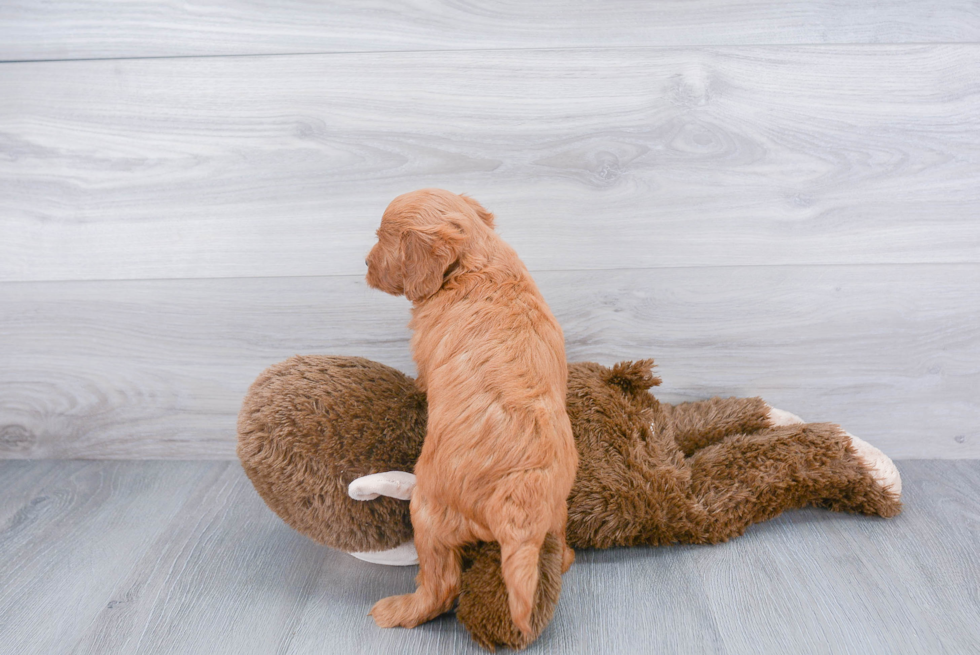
{"x":330,"y":443}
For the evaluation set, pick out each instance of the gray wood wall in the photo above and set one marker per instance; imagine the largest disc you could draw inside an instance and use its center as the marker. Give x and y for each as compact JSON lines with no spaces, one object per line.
{"x":770,"y":198}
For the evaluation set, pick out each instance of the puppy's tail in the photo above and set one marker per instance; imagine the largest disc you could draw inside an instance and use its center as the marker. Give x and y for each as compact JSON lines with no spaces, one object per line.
{"x":519,"y":566}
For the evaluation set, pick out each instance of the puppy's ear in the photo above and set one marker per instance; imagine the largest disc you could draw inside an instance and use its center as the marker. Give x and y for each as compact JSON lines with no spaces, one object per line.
{"x":427,"y":252}
{"x":484,"y":215}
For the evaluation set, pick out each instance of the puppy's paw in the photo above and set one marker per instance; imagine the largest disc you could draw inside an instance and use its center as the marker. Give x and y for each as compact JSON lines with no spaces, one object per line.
{"x":395,"y":611}
{"x":882,"y":468}
{"x":778,"y":417}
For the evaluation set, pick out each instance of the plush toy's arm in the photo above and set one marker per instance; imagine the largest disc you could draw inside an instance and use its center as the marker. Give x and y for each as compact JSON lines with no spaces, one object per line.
{"x":702,"y":423}
{"x":395,"y":484}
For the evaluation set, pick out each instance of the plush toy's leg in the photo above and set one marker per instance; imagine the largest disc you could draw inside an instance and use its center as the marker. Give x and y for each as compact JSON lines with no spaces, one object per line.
{"x":883,"y":469}
{"x":701,"y":423}
{"x":778,"y":417}
{"x":440,"y":568}
{"x":745,"y":479}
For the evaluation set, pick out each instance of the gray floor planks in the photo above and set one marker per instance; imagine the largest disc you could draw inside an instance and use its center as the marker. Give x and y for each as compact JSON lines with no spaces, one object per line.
{"x":157,"y":369}
{"x":149,"y":557}
{"x":203,"y":573}
{"x":78,"y":528}
{"x":278,"y":166}
{"x":89,"y":29}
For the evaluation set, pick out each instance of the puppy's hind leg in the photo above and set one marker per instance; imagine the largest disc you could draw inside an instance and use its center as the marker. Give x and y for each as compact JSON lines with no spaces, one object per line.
{"x":440,"y":571}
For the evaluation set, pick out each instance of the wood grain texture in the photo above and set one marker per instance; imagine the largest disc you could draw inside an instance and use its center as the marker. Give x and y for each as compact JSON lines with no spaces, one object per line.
{"x":642,"y":158}
{"x":153,"y":557}
{"x":70,"y":532}
{"x":157,"y":369}
{"x":83,"y":30}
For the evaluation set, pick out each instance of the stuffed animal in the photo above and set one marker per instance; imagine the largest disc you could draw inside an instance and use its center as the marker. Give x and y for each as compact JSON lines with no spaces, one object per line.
{"x":330,"y":443}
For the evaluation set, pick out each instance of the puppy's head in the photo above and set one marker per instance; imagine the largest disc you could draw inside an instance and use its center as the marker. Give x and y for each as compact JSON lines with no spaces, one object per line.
{"x":423,"y":236}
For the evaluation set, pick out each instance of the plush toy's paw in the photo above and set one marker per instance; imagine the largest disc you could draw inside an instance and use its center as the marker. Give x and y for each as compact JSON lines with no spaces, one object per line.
{"x":402,"y":555}
{"x":395,"y":484}
{"x":396,"y":611}
{"x":883,"y":469}
{"x":778,"y":417}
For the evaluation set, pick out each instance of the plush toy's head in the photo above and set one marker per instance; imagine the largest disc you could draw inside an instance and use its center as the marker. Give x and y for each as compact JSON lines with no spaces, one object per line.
{"x":310,"y":426}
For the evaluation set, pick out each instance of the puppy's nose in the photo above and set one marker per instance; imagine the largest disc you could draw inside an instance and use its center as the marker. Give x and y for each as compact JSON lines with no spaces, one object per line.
{"x":366,"y":263}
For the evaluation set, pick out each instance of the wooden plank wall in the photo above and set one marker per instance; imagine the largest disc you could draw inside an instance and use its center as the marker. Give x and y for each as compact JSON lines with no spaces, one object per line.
{"x":770,"y":198}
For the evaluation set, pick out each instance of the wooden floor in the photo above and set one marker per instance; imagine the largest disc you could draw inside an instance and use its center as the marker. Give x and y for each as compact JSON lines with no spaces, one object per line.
{"x":183,"y":557}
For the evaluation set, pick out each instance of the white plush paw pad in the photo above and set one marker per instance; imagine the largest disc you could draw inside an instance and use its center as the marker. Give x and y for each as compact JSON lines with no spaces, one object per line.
{"x":779,"y":417}
{"x":403,"y":555}
{"x":395,"y":484}
{"x":883,"y":469}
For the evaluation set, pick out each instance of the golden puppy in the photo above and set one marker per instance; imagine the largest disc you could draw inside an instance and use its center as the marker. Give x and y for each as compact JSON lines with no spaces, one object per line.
{"x":498,"y":461}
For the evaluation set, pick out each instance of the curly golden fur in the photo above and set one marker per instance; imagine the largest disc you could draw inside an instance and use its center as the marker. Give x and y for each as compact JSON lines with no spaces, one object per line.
{"x":498,"y":461}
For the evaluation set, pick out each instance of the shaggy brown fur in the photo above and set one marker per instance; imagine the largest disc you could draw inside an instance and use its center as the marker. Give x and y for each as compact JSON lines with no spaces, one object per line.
{"x":702,"y":423}
{"x":649,"y":473}
{"x":310,"y":426}
{"x":635,"y":485}
{"x":498,"y":459}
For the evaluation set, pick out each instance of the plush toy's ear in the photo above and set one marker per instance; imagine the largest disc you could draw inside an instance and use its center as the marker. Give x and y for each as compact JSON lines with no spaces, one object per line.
{"x":484,"y":215}
{"x":427,"y":253}
{"x":633,"y":377}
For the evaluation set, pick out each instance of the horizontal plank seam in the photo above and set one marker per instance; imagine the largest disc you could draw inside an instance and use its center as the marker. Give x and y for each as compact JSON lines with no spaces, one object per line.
{"x":533,"y":272}
{"x":691,"y":46}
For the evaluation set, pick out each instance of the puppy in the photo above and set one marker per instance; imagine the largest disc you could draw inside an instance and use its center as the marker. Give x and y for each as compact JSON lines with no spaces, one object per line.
{"x":498,"y":461}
